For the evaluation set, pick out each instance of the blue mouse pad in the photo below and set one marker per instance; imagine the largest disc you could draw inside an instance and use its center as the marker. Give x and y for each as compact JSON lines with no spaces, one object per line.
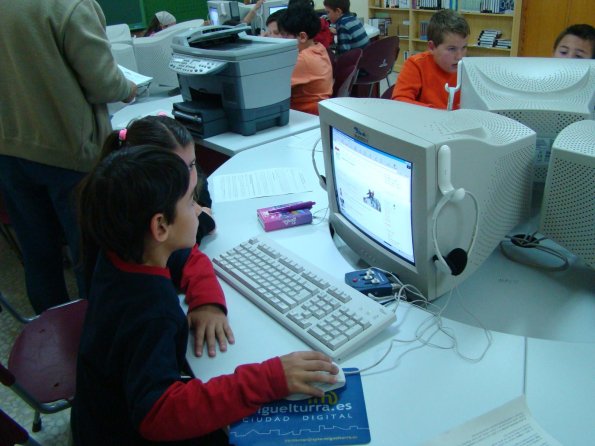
{"x":339,"y":418}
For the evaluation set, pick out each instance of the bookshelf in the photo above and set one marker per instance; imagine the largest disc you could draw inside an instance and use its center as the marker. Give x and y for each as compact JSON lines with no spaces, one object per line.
{"x":406,"y":22}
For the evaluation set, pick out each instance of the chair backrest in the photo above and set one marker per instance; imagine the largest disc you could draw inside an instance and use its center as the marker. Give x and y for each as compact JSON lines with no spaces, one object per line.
{"x":345,"y":72}
{"x":388,"y":93}
{"x":377,"y":60}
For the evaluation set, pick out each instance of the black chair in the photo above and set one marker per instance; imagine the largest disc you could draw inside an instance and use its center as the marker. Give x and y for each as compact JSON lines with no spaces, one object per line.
{"x":376,"y":64}
{"x":41,"y":366}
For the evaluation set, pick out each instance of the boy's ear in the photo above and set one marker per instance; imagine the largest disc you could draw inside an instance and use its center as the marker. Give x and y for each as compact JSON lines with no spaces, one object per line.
{"x":302,"y":37}
{"x":159,"y":227}
{"x":431,"y":45}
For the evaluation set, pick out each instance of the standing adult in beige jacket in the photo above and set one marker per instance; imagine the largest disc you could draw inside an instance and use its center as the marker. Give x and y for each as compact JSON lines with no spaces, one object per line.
{"x":57,"y":75}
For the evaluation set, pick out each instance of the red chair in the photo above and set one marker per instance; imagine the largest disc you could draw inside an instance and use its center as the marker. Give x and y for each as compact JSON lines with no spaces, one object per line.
{"x":12,"y":433}
{"x":388,"y":93}
{"x":345,"y":72}
{"x":376,"y":64}
{"x":42,"y":362}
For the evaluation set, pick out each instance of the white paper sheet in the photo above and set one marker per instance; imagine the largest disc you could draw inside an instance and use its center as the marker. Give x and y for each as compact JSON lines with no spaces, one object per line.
{"x":509,"y":425}
{"x":258,"y":183}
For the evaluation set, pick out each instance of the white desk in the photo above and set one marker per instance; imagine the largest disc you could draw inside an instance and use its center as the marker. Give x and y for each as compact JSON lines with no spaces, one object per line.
{"x":228,"y":143}
{"x":410,"y":398}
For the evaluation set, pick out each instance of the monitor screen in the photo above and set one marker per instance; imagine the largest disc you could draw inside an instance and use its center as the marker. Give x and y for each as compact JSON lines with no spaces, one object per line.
{"x":374,"y":193}
{"x":214,"y":15}
{"x":392,"y":193}
{"x":273,"y":9}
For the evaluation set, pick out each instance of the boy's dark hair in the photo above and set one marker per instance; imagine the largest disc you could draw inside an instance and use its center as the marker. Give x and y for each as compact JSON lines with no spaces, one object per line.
{"x":160,"y":131}
{"x":582,"y":31}
{"x":299,"y":18}
{"x":446,"y":21}
{"x":120,"y":196}
{"x":274,"y":17}
{"x":343,"y":5}
{"x":305,"y":2}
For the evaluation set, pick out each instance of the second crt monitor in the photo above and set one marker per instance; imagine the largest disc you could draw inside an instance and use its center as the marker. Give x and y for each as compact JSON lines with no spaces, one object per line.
{"x":426,"y":194}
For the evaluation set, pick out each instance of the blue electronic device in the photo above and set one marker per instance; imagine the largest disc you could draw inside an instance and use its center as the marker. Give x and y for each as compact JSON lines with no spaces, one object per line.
{"x":370,"y":281}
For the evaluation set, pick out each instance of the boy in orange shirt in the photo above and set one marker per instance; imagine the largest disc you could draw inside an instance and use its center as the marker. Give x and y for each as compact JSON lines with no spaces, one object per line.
{"x":422,"y":79}
{"x":312,"y":77}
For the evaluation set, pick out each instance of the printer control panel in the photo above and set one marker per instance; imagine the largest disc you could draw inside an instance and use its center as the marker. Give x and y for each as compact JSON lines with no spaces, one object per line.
{"x":193,"y":65}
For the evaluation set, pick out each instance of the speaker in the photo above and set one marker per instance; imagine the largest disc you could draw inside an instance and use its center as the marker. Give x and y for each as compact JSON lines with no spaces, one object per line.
{"x":568,"y":207}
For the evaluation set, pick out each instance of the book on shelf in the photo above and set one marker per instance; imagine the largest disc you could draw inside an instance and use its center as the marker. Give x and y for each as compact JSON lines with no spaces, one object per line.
{"x":423,"y":29}
{"x":488,"y":6}
{"x":382,"y":23}
{"x":339,"y":418}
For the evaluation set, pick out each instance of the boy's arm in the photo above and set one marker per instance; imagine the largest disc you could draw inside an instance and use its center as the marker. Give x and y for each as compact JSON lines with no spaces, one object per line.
{"x":409,"y":84}
{"x":193,"y":409}
{"x":192,"y":272}
{"x":343,"y":40}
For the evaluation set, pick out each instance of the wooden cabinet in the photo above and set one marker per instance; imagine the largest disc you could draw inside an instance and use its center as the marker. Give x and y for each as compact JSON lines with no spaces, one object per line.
{"x":408,"y":22}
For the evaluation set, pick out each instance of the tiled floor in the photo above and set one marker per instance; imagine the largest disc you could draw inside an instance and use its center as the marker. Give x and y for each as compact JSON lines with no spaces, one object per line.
{"x":55,"y":431}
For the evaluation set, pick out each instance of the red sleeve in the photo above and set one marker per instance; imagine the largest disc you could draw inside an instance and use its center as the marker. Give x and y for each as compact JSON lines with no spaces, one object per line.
{"x":193,"y":409}
{"x":324,"y":36}
{"x":409,"y":84}
{"x":200,"y":283}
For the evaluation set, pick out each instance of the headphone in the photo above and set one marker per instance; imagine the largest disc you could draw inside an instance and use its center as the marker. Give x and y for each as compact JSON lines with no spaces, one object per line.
{"x":456,"y":260}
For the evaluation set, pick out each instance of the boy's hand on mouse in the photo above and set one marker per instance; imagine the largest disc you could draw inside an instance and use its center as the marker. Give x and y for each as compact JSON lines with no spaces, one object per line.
{"x":302,"y":368}
{"x":210,"y":323}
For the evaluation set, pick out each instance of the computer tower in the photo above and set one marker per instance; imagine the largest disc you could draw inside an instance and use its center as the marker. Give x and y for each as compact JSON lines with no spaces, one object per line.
{"x":568,"y":207}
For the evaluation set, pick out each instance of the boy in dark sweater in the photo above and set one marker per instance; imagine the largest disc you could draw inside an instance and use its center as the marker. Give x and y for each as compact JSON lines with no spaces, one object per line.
{"x":139,"y":223}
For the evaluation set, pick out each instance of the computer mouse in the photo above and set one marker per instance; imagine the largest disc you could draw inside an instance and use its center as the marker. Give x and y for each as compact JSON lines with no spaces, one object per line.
{"x":324,"y":386}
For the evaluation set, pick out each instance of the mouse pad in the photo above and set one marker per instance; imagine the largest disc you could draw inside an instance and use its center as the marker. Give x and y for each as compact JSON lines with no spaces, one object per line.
{"x":339,"y":418}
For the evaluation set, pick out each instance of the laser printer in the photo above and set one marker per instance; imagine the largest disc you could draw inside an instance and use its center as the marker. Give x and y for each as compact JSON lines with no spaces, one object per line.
{"x":232,"y":81}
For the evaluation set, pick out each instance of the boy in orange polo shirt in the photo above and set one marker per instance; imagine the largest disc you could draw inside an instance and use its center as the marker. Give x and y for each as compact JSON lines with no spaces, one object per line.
{"x":422,"y":79}
{"x":312,"y":76}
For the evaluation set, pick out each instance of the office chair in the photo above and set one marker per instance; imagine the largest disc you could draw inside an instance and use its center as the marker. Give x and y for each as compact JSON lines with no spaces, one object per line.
{"x":377,"y":63}
{"x":388,"y":93}
{"x":12,"y":433}
{"x":345,"y":72}
{"x":42,"y":362}
{"x":6,"y":231}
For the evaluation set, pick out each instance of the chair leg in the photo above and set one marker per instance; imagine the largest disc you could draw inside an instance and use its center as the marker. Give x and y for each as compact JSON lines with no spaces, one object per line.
{"x":36,"y":422}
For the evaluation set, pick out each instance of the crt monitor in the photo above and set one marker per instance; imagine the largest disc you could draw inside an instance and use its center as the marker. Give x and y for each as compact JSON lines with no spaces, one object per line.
{"x":268,"y":7}
{"x":568,"y":209}
{"x":545,"y":94}
{"x":414,"y":190}
{"x":153,"y":55}
{"x":220,"y":11}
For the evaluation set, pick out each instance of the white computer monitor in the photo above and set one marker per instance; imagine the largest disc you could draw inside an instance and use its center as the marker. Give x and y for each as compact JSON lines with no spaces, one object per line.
{"x":394,"y":174}
{"x":220,"y":11}
{"x":153,"y":55}
{"x":268,"y":7}
{"x":545,"y":94}
{"x":568,"y":209}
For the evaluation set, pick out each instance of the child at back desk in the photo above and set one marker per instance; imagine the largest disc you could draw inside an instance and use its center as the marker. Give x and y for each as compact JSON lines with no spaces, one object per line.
{"x":576,"y":41}
{"x":350,"y":31}
{"x":312,"y":76}
{"x":138,"y":226}
{"x":422,"y":78}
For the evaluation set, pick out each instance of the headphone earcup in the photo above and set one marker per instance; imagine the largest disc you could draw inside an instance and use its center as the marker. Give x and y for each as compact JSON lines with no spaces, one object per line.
{"x":456,"y":260}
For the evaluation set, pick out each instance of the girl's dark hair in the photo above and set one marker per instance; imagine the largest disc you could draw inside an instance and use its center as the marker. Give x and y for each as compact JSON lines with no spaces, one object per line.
{"x":120,"y":196}
{"x":299,"y":17}
{"x":160,"y":131}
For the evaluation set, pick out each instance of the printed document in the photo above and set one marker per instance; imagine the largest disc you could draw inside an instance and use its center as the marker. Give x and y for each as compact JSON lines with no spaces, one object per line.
{"x":511,"y":424}
{"x":258,"y":183}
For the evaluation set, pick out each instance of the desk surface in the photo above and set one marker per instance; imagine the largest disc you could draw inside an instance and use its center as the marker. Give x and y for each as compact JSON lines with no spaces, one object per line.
{"x":228,"y":143}
{"x":416,"y":392}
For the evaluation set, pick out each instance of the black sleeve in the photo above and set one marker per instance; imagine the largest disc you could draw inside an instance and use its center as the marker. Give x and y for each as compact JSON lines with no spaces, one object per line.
{"x":205,"y":225}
